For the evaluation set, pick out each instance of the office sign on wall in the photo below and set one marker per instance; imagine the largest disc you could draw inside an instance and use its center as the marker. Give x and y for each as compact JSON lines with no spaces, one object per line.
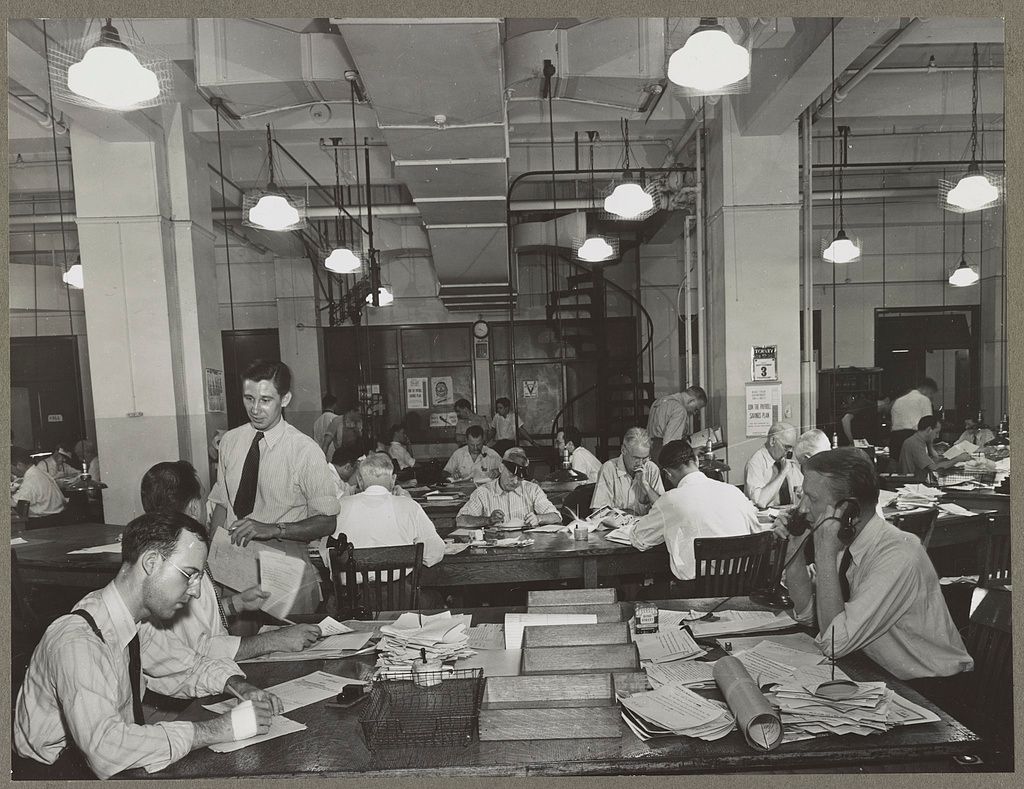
{"x":764,"y":363}
{"x":764,"y":406}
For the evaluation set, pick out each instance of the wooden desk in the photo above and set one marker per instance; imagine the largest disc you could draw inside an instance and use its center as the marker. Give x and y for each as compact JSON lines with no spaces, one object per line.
{"x":552,"y":557}
{"x":44,"y":561}
{"x":443,"y":513}
{"x":333,"y":747}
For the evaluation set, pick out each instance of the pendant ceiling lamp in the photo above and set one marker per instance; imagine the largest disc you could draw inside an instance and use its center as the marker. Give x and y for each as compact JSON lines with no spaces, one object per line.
{"x":113,"y":71}
{"x":74,"y":277}
{"x":963,"y":275}
{"x":629,"y":199}
{"x":341,"y":259}
{"x":594,"y":248}
{"x":976,"y":189}
{"x":271,"y":208}
{"x":710,"y":62}
{"x":841,"y":248}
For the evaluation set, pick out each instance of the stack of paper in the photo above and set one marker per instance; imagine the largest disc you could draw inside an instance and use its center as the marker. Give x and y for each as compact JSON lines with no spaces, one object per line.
{"x":621,"y":535}
{"x":770,"y":663}
{"x":688,"y":673}
{"x":673,"y":710}
{"x":960,"y":448}
{"x":918,"y":495}
{"x":955,"y":509}
{"x":667,"y":645}
{"x":440,"y":636}
{"x":728,"y":622}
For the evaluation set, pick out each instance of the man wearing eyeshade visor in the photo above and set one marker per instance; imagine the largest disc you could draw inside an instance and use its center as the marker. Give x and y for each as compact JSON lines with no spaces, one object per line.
{"x":510,"y":497}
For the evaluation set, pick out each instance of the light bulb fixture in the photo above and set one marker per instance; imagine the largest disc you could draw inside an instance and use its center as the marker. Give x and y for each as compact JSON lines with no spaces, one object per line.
{"x":964,"y":274}
{"x":595,"y":249}
{"x":343,"y":261}
{"x":841,"y":250}
{"x":74,"y":277}
{"x":110,"y":75}
{"x":976,"y":190}
{"x":629,"y":199}
{"x":710,"y":61}
{"x":385,"y":294}
{"x":271,"y":208}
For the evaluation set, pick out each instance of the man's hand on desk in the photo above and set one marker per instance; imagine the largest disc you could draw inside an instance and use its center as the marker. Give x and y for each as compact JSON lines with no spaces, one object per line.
{"x":497,"y":517}
{"x":247,"y":530}
{"x":531,"y":519}
{"x":292,"y":639}
{"x":241,"y":689}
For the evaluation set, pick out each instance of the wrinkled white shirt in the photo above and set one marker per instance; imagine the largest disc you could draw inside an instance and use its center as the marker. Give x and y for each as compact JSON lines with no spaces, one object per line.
{"x":377,"y":519}
{"x":616,"y":488}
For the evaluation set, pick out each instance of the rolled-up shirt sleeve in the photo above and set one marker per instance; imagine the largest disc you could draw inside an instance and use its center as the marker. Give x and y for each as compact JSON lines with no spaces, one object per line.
{"x":541,"y":504}
{"x":315,"y":481}
{"x":87,"y":687}
{"x":649,"y":531}
{"x":874,"y":607}
{"x":175,"y":669}
{"x":475,"y":505}
{"x":219,"y":491}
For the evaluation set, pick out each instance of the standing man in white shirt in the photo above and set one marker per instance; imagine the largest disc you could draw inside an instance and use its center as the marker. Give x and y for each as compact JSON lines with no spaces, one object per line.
{"x":694,"y":506}
{"x":771,"y":476}
{"x":669,"y":419}
{"x":474,"y":460}
{"x":581,"y":459}
{"x":630,"y":482}
{"x":273,"y":484}
{"x":38,"y":495}
{"x":907,"y":411}
{"x":874,"y":588}
{"x":506,"y":429}
{"x":326,"y":442}
{"x":79,"y":711}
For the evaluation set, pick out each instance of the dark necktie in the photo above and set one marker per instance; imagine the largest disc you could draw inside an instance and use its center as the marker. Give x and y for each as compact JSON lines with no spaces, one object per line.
{"x":216,"y":596}
{"x":245,"y":496}
{"x":135,"y":676}
{"x":784,"y":494}
{"x":844,"y":582}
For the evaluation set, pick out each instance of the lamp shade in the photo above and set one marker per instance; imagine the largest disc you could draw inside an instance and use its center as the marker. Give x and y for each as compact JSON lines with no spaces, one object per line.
{"x":963,"y":275}
{"x":385,"y":295}
{"x":595,"y":249}
{"x":628,"y":201}
{"x":343,"y":261}
{"x":73,"y":277}
{"x":273,"y":212}
{"x":973,"y":192}
{"x":111,"y":75}
{"x":841,"y":250}
{"x":709,"y":60}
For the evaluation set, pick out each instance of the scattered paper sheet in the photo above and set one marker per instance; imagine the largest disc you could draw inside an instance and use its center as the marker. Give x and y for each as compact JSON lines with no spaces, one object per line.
{"x":21,"y":541}
{"x":673,"y":709}
{"x":114,"y":547}
{"x":802,"y":642}
{"x":667,"y":645}
{"x":512,"y":524}
{"x":280,"y":575}
{"x":797,"y":658}
{"x":956,"y":509}
{"x":514,"y":624}
{"x":329,"y":648}
{"x":329,"y":626}
{"x":551,"y":528}
{"x":299,"y":692}
{"x":232,"y":565}
{"x":279,"y":727}
{"x":741,"y":622}
{"x":960,"y":448}
{"x":684,"y":672}
{"x":487,"y":636}
{"x":621,"y":535}
{"x":452,"y":548}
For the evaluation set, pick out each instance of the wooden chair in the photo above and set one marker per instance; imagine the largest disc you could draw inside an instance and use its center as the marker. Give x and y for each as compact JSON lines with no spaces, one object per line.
{"x":730,"y":565}
{"x":579,"y":498}
{"x":369,"y":580}
{"x":920,"y":523}
{"x":995,"y":554}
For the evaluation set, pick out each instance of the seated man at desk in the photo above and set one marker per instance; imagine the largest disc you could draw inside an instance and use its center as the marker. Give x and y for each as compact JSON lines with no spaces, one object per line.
{"x":398,"y":447}
{"x":343,"y":466}
{"x":375,"y":518}
{"x":976,"y":433}
{"x":874,"y":588}
{"x":38,"y":495}
{"x":510,"y":497}
{"x":581,"y":459}
{"x":918,"y":456}
{"x":694,"y":506}
{"x":771,"y":477}
{"x":473,"y":460}
{"x":630,"y":482}
{"x":810,"y":443}
{"x":58,"y":464}
{"x":79,"y":711}
{"x":174,"y":486}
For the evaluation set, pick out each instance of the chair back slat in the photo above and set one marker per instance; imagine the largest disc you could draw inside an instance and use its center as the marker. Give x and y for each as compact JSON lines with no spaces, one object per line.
{"x":369,"y":580}
{"x":730,"y":565}
{"x":995,"y":560}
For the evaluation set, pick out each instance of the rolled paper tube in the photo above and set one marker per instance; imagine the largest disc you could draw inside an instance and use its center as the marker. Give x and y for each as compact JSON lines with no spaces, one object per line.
{"x":756,"y":718}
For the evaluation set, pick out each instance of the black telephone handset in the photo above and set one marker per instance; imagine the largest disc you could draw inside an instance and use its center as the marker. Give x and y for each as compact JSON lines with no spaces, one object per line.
{"x":848,"y":519}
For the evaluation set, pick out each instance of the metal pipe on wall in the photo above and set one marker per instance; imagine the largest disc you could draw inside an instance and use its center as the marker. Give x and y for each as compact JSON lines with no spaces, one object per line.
{"x":807,"y":382}
{"x":687,"y":265}
{"x":702,"y":334}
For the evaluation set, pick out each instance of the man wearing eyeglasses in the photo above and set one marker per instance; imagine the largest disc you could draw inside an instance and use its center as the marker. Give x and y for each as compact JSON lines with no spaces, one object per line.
{"x":631,"y":482}
{"x":771,"y":475}
{"x":510,"y":497}
{"x":79,"y":712}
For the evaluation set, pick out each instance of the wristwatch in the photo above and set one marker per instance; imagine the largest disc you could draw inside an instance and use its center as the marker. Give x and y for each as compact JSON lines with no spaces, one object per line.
{"x":280,"y":530}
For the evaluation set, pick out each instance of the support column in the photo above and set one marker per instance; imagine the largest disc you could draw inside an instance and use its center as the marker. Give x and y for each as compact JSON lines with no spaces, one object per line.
{"x":144,"y":228}
{"x":753,"y":253}
{"x":301,"y":341}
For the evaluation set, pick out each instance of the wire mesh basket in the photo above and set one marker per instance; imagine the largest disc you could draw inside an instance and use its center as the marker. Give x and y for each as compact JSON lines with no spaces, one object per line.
{"x":957,"y":476}
{"x":439,"y":708}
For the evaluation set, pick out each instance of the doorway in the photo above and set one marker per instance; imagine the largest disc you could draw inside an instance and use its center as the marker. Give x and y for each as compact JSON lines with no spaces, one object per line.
{"x":241,"y":348}
{"x":46,"y":392}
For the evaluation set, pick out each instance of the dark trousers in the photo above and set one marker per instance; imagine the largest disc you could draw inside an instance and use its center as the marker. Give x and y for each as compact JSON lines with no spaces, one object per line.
{"x":70,"y":766}
{"x":896,"y":439}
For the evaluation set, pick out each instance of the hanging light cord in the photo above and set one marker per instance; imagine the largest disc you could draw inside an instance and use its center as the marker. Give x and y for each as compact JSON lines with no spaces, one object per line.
{"x":842,"y":167}
{"x":974,"y":106}
{"x":625,"y":140}
{"x":832,"y":112}
{"x":224,"y":213}
{"x":270,"y":154}
{"x":56,"y":170}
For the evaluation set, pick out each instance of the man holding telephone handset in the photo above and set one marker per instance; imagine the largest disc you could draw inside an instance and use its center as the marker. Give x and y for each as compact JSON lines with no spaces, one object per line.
{"x":874,"y":587}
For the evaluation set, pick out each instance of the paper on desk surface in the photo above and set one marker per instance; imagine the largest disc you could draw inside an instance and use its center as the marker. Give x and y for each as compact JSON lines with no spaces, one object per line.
{"x":452,"y":548}
{"x":683,"y":672}
{"x":801,"y":642}
{"x":741,"y":622}
{"x":280,"y":575}
{"x":956,"y":509}
{"x":514,"y":624}
{"x":329,"y":626}
{"x":22,"y":541}
{"x":887,"y":497}
{"x":299,"y":692}
{"x":787,"y":656}
{"x":960,"y":448}
{"x":668,"y":644}
{"x":113,"y":547}
{"x":279,"y":727}
{"x":486,"y":636}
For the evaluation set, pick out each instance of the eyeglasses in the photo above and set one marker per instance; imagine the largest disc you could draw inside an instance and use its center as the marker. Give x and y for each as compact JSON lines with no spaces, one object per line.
{"x":191,"y":578}
{"x":517,"y":470}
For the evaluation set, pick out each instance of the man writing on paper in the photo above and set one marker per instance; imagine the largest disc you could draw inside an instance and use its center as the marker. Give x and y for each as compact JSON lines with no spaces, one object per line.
{"x":874,"y":588}
{"x":202,"y":625}
{"x":630,"y":482}
{"x":474,"y":460}
{"x":79,"y":711}
{"x":510,"y":497}
{"x":918,"y":456}
{"x":670,"y":416}
{"x":694,"y":506}
{"x":771,"y":477}
{"x":273,"y":479}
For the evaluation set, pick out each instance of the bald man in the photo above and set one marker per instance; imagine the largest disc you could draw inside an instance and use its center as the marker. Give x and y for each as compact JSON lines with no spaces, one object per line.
{"x":771,"y":476}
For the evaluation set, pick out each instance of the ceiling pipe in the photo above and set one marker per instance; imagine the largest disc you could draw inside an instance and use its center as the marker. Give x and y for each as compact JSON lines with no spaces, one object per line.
{"x":42,"y":117}
{"x":844,"y":90}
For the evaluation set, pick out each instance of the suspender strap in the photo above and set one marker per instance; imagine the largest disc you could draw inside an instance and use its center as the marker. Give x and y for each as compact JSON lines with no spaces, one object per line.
{"x":134,"y":665}
{"x":90,"y":621}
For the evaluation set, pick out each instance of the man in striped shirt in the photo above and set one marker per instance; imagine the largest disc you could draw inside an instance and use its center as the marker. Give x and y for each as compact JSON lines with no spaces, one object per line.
{"x":630,"y":482}
{"x":508,"y":498}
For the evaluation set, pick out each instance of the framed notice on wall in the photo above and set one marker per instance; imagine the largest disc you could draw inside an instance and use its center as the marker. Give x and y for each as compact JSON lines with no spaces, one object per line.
{"x":764,"y":361}
{"x":416,"y":393}
{"x":215,"y":391}
{"x":764,"y":406}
